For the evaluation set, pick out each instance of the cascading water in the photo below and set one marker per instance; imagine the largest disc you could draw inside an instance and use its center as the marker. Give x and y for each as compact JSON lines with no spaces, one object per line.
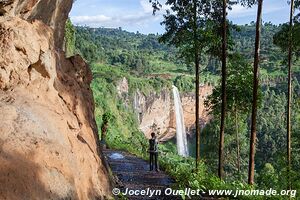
{"x":182,"y":147}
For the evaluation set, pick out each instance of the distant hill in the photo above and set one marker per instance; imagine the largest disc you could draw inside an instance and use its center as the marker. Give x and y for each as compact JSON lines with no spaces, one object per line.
{"x":131,"y":51}
{"x":143,"y":55}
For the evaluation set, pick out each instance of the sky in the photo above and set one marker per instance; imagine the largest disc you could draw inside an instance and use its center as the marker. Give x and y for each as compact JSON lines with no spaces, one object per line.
{"x":136,"y":15}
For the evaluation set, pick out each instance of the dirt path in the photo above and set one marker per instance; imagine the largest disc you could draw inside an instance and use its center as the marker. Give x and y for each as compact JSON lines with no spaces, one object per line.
{"x":133,"y":174}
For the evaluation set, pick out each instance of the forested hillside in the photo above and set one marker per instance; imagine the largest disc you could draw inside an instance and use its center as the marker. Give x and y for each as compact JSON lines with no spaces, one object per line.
{"x":138,"y":53}
{"x":150,"y":66}
{"x":143,"y":54}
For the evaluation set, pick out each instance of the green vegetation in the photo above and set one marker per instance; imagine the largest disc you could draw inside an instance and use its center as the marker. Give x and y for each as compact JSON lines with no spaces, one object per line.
{"x":134,"y":52}
{"x":272,"y":58}
{"x":122,"y":131}
{"x":142,"y":55}
{"x":69,"y":38}
{"x":150,"y":66}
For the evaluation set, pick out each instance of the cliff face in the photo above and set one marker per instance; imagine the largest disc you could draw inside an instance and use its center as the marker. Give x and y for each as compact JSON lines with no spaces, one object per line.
{"x":53,"y":13}
{"x":48,"y":141}
{"x":155,"y":112}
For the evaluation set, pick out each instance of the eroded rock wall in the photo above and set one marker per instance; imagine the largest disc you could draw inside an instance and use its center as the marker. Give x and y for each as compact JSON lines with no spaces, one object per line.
{"x":48,"y":135}
{"x":53,"y":13}
{"x":155,"y":112}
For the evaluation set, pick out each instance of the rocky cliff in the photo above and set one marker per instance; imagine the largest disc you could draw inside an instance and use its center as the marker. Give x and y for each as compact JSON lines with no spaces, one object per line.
{"x":48,"y":142}
{"x":155,"y":112}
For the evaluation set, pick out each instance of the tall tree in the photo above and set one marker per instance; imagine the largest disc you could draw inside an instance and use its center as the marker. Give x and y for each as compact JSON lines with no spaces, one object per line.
{"x":239,"y":101}
{"x":224,"y":76}
{"x":223,"y":57}
{"x":255,"y":94}
{"x":188,"y":27}
{"x":197,"y":66}
{"x":291,"y":31}
{"x":289,"y":106}
{"x":219,"y":15}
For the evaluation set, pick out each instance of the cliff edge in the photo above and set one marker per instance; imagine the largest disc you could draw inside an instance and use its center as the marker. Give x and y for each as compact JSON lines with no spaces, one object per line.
{"x":48,"y":135}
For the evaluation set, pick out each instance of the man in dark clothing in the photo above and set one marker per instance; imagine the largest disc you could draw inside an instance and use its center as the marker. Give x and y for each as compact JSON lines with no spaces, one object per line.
{"x":153,"y":150}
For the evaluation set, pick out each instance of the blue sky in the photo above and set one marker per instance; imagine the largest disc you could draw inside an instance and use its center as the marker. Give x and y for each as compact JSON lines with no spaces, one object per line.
{"x":136,"y":15}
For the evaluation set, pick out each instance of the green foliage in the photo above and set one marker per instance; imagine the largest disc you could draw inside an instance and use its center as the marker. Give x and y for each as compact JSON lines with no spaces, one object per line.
{"x":69,"y":38}
{"x":210,"y":135}
{"x":122,"y":132}
{"x":239,"y":88}
{"x":140,"y":54}
{"x":181,"y":169}
{"x":107,"y":117}
{"x":134,"y":52}
{"x":268,"y":177}
{"x":271,"y":128}
{"x":150,"y":67}
{"x":86,"y":47}
{"x":271,"y":139}
{"x":247,"y":3}
{"x":271,"y":55}
{"x":185,"y":83}
{"x":239,"y":100}
{"x":281,"y":40}
{"x":271,"y":135}
{"x":189,"y":27}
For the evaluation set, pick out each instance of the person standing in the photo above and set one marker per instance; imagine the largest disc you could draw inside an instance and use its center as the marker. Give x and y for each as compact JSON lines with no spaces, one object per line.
{"x":153,"y":150}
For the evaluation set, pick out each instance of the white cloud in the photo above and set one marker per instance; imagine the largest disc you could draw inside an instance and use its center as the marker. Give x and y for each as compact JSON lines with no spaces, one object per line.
{"x":147,"y":7}
{"x":114,"y":21}
{"x":137,"y":14}
{"x":90,"y":19}
{"x":121,"y":19}
{"x":240,"y":11}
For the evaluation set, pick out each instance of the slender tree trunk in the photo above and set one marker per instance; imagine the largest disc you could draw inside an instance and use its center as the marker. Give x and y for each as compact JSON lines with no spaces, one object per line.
{"x":223,"y":109}
{"x":255,"y":91}
{"x":197,"y":66}
{"x":289,"y":106}
{"x":237,"y":141}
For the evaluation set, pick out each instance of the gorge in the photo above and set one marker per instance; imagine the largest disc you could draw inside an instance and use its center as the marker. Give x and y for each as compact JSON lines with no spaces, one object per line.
{"x":156,"y":111}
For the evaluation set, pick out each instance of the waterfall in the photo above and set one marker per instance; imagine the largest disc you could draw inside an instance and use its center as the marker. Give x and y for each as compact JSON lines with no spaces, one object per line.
{"x":182,"y":147}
